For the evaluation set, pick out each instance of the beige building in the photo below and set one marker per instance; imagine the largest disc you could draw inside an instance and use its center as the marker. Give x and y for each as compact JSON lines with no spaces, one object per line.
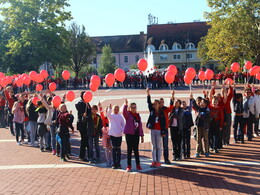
{"x":177,"y":44}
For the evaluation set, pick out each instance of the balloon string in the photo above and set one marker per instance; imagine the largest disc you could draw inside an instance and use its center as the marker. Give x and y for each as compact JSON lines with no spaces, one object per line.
{"x":124,"y":89}
{"x":190,"y":88}
{"x":98,"y":95}
{"x":146,"y":81}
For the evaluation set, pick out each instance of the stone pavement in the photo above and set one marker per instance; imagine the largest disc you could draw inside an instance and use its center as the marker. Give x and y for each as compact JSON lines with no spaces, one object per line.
{"x":26,"y":170}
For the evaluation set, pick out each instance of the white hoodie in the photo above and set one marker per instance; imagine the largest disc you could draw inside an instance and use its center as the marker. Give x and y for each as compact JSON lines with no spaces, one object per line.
{"x":116,"y":123}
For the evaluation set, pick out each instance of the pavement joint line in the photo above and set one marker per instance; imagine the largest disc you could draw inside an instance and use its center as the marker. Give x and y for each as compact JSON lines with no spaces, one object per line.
{"x":8,"y":140}
{"x":147,"y":162}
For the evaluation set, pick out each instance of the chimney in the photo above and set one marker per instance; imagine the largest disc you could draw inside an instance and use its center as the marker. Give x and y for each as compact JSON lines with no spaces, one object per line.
{"x":141,"y":32}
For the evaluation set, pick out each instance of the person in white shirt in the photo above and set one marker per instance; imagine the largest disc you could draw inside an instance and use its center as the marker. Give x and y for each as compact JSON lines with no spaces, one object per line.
{"x":116,"y":129}
{"x":248,"y":115}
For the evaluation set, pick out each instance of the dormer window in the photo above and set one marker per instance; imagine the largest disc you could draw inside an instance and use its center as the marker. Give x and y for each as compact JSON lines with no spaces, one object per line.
{"x":190,"y":46}
{"x":151,"y":47}
{"x":163,"y":47}
{"x":176,"y":46}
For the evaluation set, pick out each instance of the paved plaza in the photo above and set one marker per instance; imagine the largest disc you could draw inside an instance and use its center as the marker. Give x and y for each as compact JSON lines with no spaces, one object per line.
{"x":26,"y":170}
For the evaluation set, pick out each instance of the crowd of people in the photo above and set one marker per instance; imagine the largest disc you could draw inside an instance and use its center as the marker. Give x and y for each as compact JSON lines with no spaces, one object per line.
{"x":48,"y":127}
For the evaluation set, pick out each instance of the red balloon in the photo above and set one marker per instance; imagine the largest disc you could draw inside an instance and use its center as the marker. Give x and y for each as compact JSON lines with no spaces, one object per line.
{"x":87,"y":96}
{"x":52,"y":86}
{"x":110,"y":79}
{"x":39,"y":78}
{"x":229,"y":81}
{"x":187,"y":80}
{"x":5,"y":81}
{"x":202,"y":76}
{"x":169,"y":77}
{"x":209,"y":74}
{"x":33,"y":75}
{"x":93,"y":87}
{"x":142,"y":64}
{"x":119,"y":75}
{"x":95,"y":80}
{"x":19,"y":82}
{"x":35,"y":100}
{"x":56,"y":101}
{"x":258,"y":76}
{"x":172,"y":69}
{"x":254,"y":71}
{"x":248,"y":65}
{"x":44,"y":74}
{"x":66,"y":75}
{"x":235,"y":67}
{"x":2,"y":75}
{"x":190,"y":73}
{"x":70,"y":95}
{"x":39,"y":87}
{"x":26,"y":80}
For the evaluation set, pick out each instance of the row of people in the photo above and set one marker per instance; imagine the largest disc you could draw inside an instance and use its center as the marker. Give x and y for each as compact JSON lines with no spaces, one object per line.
{"x":51,"y":125}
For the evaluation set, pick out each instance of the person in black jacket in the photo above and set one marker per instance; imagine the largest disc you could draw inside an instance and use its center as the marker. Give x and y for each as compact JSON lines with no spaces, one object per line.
{"x":202,"y":122}
{"x":156,"y":123}
{"x":94,"y":132}
{"x":82,"y":108}
{"x":238,"y":117}
{"x":176,"y":127}
{"x":188,"y":123}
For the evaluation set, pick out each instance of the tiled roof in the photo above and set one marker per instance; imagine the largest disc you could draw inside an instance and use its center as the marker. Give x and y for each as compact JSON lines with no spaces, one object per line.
{"x":177,"y":32}
{"x":121,"y":43}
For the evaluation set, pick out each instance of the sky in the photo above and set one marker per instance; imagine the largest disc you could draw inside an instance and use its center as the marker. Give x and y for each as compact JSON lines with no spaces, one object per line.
{"x":119,"y":17}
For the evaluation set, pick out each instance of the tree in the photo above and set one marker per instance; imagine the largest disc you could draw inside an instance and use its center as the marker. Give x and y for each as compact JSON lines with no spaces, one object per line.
{"x":34,"y":31}
{"x":234,"y":32}
{"x":107,"y":61}
{"x":81,"y":48}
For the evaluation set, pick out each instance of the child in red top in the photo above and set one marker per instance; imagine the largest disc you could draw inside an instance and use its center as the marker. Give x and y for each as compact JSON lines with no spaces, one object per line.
{"x":216,"y":124}
{"x":2,"y":111}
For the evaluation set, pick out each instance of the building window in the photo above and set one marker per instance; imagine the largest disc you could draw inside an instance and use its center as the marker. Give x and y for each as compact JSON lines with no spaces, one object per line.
{"x":137,"y":58}
{"x":126,"y":59}
{"x":176,"y":46}
{"x":176,"y":56}
{"x":190,"y":46}
{"x":163,"y":47}
{"x":163,"y":57}
{"x":151,"y":47}
{"x":189,"y":56}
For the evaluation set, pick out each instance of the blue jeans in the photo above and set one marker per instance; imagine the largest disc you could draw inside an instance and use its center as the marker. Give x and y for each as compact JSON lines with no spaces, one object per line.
{"x":116,"y":149}
{"x":33,"y":131}
{"x":53,"y":137}
{"x":237,"y":121}
{"x":157,"y":145}
{"x":165,"y":140}
{"x":93,"y":140}
{"x":2,"y":118}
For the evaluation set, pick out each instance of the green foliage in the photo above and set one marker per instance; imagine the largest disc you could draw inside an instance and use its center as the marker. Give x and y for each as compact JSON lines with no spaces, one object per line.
{"x":33,"y":33}
{"x":133,"y":66}
{"x":81,"y":48}
{"x":87,"y":70}
{"x":233,"y":35}
{"x":107,"y":61}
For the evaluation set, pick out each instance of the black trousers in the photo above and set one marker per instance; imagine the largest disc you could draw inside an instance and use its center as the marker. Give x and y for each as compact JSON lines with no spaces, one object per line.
{"x":132,"y":142}
{"x":176,"y":137}
{"x":186,"y":142}
{"x":83,"y":144}
{"x":116,"y":149}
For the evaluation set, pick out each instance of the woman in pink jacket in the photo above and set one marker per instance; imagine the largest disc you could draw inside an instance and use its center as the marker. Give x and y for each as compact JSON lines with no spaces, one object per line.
{"x":19,"y":116}
{"x":133,"y":131}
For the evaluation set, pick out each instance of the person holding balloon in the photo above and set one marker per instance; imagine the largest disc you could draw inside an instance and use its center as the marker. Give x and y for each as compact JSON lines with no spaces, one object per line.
{"x":116,"y":129}
{"x":83,"y":107}
{"x":156,"y":123}
{"x":203,"y":124}
{"x":65,"y":121}
{"x":133,"y":131}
